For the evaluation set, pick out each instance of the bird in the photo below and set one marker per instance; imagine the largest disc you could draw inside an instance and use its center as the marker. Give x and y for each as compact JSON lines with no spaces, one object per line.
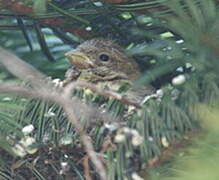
{"x":103,"y":62}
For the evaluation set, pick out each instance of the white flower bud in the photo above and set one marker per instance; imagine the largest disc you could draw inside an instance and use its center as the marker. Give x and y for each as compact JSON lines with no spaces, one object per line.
{"x":19,"y":150}
{"x":137,"y":140}
{"x":135,"y":176}
{"x":164,"y":142}
{"x":23,"y":99}
{"x":180,"y":41}
{"x":134,"y":132}
{"x":150,"y":138}
{"x":119,"y":138}
{"x":126,"y":130}
{"x":57,"y":82}
{"x":87,"y":91}
{"x":179,"y":69}
{"x":6,"y":99}
{"x":65,"y":166}
{"x":66,"y":140}
{"x":112,"y":126}
{"x":27,"y":141}
{"x":131,"y":109}
{"x":128,"y":154}
{"x":160,"y":93}
{"x":98,"y":4}
{"x":50,"y":113}
{"x":188,"y":65}
{"x":178,"y":80}
{"x":88,"y":28}
{"x":28,"y":129}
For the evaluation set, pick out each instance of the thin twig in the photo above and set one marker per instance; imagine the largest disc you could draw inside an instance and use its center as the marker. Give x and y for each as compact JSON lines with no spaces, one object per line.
{"x":86,"y":168}
{"x":106,"y":93}
{"x":26,"y":72}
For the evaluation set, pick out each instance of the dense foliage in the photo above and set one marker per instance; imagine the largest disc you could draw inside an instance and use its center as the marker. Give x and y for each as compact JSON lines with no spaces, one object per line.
{"x":175,"y":43}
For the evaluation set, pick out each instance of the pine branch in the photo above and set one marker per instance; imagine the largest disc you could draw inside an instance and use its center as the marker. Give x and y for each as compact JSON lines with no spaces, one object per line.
{"x":27,"y":11}
{"x":47,"y":93}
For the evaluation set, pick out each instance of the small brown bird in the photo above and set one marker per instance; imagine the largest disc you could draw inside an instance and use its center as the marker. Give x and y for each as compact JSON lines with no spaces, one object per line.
{"x":103,"y":62}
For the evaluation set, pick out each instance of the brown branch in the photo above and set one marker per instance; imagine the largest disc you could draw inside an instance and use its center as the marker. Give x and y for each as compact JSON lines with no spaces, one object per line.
{"x":69,"y":107}
{"x":16,"y":6}
{"x":107,"y":144}
{"x":61,"y":96}
{"x":24,"y":71}
{"x":86,"y":168}
{"x":106,"y":93}
{"x":21,"y":69}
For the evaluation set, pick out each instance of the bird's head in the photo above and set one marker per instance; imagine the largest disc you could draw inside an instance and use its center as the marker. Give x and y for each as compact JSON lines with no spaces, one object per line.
{"x":103,"y":57}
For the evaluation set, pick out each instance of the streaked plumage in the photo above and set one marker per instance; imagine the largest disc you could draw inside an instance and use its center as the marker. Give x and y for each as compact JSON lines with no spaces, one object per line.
{"x":103,"y":62}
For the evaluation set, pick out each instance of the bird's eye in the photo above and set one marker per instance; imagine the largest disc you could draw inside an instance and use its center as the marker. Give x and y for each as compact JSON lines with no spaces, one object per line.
{"x":104,"y":57}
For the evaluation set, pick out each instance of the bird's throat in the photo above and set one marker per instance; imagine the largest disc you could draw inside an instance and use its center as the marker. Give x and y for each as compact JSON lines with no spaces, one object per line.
{"x":99,"y":75}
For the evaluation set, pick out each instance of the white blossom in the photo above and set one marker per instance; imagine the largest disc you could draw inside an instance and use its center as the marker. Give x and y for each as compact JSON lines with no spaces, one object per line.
{"x":57,"y":82}
{"x":128,"y":154}
{"x":164,"y":142}
{"x":112,"y":126}
{"x":28,"y":129}
{"x":179,"y":69}
{"x":27,"y":141}
{"x":178,"y":80}
{"x":135,"y":176}
{"x":134,"y":132}
{"x":126,"y":130}
{"x":169,"y":48}
{"x":19,"y":150}
{"x":66,"y":140}
{"x":88,"y":28}
{"x":6,"y":99}
{"x":131,"y":109}
{"x":119,"y":138}
{"x":180,"y":41}
{"x":160,"y":93}
{"x":150,"y":138}
{"x":64,"y":165}
{"x":98,"y":4}
{"x":137,"y":140}
{"x":50,"y":113}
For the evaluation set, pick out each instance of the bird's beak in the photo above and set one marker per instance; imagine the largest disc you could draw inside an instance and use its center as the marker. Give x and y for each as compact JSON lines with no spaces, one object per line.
{"x":80,"y":60}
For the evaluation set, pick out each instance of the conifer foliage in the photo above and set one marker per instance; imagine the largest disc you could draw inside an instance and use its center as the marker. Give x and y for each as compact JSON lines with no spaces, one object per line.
{"x":175,"y":43}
